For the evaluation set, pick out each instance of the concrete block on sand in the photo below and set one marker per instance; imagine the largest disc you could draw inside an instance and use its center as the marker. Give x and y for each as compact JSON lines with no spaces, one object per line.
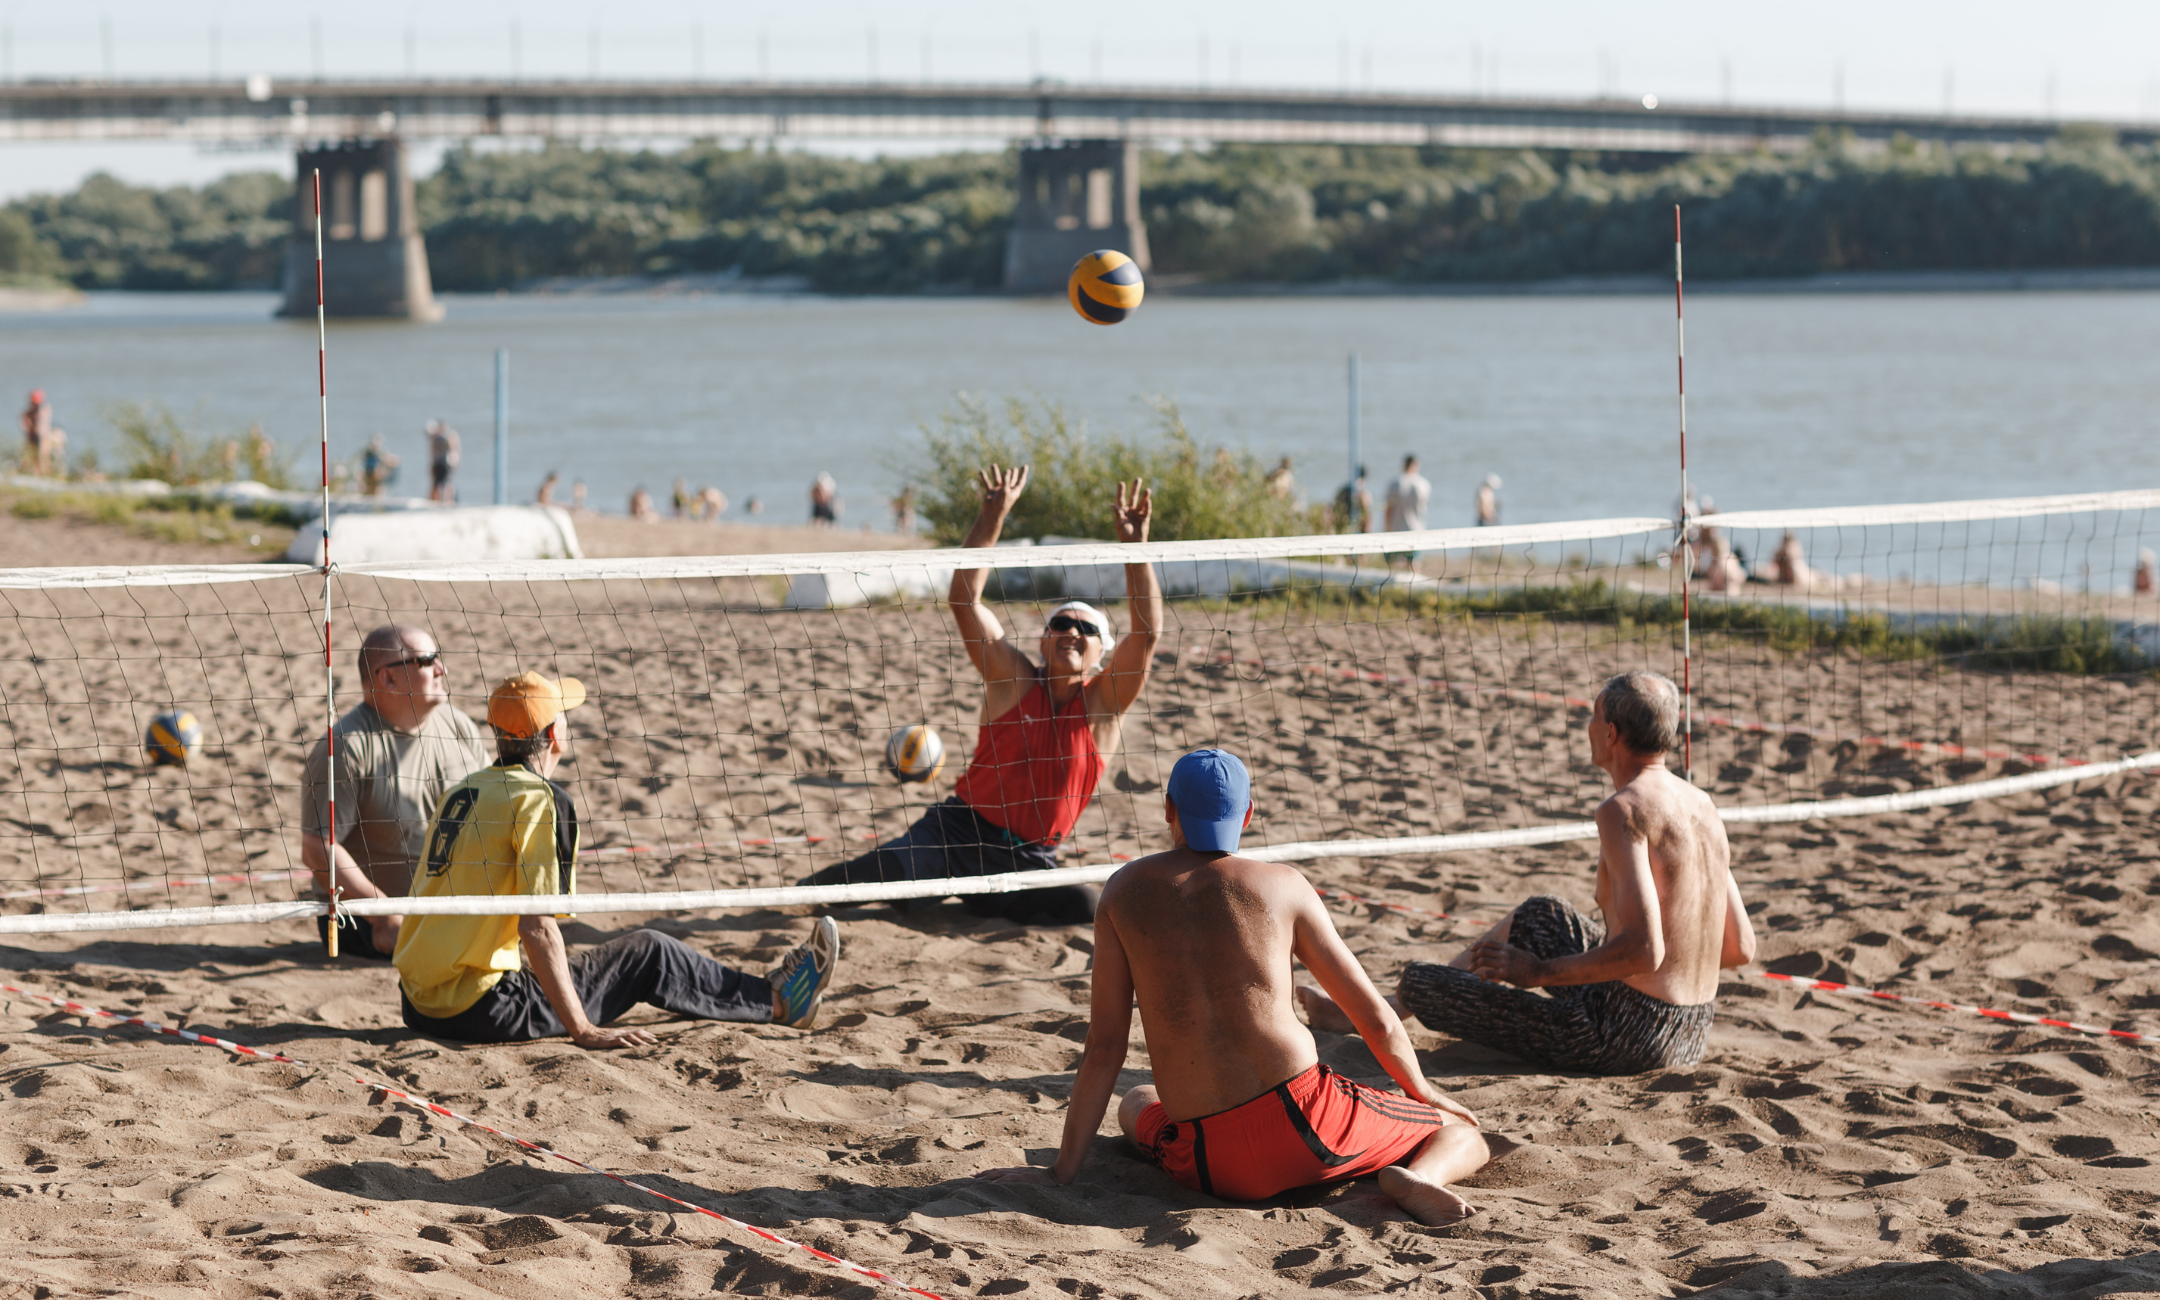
{"x":452,"y":533}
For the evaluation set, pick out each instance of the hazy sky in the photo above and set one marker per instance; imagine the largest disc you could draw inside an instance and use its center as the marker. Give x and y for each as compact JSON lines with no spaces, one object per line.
{"x":2084,"y":58}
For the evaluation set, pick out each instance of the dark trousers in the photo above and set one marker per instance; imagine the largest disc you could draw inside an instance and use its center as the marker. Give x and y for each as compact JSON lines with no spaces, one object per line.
{"x":1608,"y":1028}
{"x":642,"y":966}
{"x":952,"y":840}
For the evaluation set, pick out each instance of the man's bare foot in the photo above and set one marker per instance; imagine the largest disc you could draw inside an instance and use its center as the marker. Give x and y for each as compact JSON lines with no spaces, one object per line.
{"x":1424,"y":1200}
{"x":1321,"y":1011}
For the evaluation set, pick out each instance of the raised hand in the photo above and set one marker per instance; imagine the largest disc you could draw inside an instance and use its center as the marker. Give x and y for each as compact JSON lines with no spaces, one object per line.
{"x":1001,"y":488}
{"x":1135,"y":505}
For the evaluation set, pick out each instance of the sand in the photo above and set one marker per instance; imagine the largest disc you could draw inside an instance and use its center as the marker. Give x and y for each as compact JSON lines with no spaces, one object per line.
{"x":1826,"y":1147}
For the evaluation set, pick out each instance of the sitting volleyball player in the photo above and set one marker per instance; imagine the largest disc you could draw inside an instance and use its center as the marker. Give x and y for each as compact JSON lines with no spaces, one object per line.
{"x":1045,"y":730}
{"x":1240,"y":1106}
{"x":508,"y":830}
{"x":1637,"y":992}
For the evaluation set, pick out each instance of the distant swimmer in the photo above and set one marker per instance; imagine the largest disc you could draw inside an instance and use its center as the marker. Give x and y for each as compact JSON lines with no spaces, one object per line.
{"x":44,"y":443}
{"x":1240,"y":1106}
{"x":1487,"y":502}
{"x":1045,"y":730}
{"x":824,"y":501}
{"x":1637,"y":990}
{"x":509,"y":831}
{"x":378,"y":468}
{"x":546,"y":495}
{"x":443,"y":458}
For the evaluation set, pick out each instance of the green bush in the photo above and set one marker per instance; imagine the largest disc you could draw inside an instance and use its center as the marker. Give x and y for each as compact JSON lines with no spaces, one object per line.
{"x":155,"y":444}
{"x":1199,"y":492}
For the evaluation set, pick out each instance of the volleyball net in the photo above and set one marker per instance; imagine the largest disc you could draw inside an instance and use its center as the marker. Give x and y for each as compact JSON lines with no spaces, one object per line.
{"x":1395,"y":696}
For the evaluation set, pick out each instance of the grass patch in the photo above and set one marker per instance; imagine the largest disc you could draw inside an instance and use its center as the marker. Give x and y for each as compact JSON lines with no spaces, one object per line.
{"x":156,"y":444}
{"x":177,"y":518}
{"x":2039,"y":643}
{"x":1200,"y":492}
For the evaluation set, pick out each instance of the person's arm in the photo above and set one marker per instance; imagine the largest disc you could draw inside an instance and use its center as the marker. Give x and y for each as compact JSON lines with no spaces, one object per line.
{"x":1127,"y":672}
{"x":1635,"y":937}
{"x":549,"y":961}
{"x":980,"y":631}
{"x":318,"y":855}
{"x":1110,"y":1006}
{"x":1321,"y":949}
{"x":1739,"y":947}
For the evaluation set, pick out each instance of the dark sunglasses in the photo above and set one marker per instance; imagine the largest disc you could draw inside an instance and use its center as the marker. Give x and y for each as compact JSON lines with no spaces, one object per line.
{"x":428,"y":660}
{"x":1067,"y":623}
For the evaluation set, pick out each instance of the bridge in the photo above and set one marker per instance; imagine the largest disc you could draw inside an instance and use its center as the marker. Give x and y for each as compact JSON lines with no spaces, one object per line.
{"x":1078,"y":167}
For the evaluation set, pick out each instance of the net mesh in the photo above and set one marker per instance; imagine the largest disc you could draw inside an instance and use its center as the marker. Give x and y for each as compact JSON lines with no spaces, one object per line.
{"x":740,"y":706}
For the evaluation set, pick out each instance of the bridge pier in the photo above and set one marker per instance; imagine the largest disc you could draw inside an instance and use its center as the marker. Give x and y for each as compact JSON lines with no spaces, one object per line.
{"x":1075,"y":197}
{"x":374,"y":263}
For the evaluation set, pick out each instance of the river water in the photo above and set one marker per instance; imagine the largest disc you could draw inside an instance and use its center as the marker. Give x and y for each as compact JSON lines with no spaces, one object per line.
{"x":1795,"y":399}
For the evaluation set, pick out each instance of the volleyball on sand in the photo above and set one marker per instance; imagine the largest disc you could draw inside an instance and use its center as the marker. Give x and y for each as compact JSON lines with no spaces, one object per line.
{"x":1105,"y":286}
{"x":172,"y":739}
{"x":915,"y":753}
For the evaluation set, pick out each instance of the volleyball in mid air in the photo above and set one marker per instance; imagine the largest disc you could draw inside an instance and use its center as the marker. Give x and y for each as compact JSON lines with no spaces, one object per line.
{"x":1105,"y":287}
{"x":172,"y":739}
{"x":915,"y":754}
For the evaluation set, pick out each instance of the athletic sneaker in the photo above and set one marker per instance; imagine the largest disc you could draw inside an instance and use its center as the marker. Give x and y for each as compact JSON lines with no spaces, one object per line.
{"x":799,"y":979}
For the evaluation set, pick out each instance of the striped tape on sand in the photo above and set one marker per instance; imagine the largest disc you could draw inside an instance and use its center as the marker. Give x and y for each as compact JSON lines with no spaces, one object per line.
{"x":395,"y":1093}
{"x":1827,"y":986}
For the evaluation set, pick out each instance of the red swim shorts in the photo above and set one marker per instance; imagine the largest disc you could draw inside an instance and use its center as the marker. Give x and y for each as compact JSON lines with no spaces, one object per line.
{"x":1317,"y":1128}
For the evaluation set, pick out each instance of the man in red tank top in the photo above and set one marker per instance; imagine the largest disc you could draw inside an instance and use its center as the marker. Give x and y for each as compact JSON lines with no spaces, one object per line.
{"x":1046,"y":729}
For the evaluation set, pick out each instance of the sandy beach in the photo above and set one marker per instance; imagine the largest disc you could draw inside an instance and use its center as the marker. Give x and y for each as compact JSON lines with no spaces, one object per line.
{"x":1827,"y":1147}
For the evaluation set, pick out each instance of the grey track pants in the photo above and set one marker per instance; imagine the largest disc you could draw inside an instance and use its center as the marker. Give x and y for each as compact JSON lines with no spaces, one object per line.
{"x":1607,"y":1028}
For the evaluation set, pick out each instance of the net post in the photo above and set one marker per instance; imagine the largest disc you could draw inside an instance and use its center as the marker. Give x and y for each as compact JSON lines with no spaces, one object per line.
{"x":1687,"y":558}
{"x":322,"y":388}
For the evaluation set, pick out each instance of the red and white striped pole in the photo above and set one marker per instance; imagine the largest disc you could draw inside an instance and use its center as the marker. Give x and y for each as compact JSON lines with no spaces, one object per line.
{"x":322,"y":385}
{"x":1687,"y":558}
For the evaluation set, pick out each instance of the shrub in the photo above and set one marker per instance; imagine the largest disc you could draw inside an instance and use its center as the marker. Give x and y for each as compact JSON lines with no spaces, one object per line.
{"x":154,"y":444}
{"x":1199,"y":492}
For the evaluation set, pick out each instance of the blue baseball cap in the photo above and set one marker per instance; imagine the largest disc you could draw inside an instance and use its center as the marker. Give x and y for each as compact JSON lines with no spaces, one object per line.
{"x":1212,"y":792}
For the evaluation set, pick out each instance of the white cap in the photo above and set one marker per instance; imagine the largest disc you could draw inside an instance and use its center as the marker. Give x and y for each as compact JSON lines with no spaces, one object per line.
{"x":1493,"y":481}
{"x":1094,"y":615}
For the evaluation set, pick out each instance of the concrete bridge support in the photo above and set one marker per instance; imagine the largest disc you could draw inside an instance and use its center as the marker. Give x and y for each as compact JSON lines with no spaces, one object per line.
{"x":374,"y":263}
{"x":1075,"y":197}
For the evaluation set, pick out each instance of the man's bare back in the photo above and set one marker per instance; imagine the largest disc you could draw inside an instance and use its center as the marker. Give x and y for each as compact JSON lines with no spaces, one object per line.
{"x":1202,"y":941}
{"x":1636,"y":990}
{"x":1690,"y":864}
{"x":1209,"y":941}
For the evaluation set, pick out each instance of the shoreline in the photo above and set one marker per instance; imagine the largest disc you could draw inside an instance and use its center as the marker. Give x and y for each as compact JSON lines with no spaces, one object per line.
{"x":2128,"y":279}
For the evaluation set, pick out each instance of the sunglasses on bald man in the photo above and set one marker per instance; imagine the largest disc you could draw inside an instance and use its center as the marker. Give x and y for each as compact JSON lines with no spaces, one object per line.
{"x":428,"y":660}
{"x":1067,"y":623}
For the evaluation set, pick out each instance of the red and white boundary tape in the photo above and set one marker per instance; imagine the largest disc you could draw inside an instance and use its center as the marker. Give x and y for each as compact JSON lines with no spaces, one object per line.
{"x":1822,"y":986}
{"x":1942,"y":747}
{"x":422,"y":1103}
{"x":184,"y":882}
{"x":2023,"y":1018}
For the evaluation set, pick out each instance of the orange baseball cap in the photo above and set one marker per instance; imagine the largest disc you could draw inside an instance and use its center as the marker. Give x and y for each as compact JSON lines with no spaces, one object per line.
{"x":525,"y":704}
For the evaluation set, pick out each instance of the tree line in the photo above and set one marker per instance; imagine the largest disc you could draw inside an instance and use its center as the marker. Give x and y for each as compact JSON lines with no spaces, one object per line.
{"x":495,"y":219}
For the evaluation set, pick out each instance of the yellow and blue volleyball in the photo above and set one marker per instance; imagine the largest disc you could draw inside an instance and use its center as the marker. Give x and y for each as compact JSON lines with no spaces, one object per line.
{"x":172,"y":739}
{"x":915,"y":754}
{"x":1105,"y":287}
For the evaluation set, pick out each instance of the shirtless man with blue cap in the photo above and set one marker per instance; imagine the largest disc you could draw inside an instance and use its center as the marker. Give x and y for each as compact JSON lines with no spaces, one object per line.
{"x":1241,"y":1107}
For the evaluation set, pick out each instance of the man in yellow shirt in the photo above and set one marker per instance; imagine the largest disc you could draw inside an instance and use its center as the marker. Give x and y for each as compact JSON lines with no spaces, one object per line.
{"x":510,"y":830}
